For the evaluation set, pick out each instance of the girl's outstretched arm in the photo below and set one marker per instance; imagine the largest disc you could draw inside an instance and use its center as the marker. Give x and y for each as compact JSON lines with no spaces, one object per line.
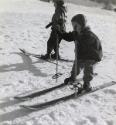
{"x":50,"y":24}
{"x":67,"y":36}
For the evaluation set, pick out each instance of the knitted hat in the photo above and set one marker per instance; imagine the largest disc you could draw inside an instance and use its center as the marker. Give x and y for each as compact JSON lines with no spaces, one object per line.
{"x":80,"y":19}
{"x":59,"y":2}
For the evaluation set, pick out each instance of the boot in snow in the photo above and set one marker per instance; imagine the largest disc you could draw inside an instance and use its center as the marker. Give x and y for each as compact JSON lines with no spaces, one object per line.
{"x":46,"y":56}
{"x":69,"y":80}
{"x":54,"y":56}
{"x":87,"y":87}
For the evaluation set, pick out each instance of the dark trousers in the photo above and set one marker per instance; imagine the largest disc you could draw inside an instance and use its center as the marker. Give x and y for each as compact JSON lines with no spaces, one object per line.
{"x":88,"y":67}
{"x":52,"y":42}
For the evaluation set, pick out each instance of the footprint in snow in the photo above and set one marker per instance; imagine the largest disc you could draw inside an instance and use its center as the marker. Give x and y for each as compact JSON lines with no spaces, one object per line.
{"x":7,"y":36}
{"x":110,"y":91}
{"x":92,"y":119}
{"x":88,"y":101}
{"x":82,"y":122}
{"x":52,"y":115}
{"x":96,"y":96}
{"x":110,"y":123}
{"x":73,"y":105}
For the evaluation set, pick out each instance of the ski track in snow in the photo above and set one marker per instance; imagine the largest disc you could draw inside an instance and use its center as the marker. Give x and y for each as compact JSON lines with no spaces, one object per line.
{"x":22,"y":25}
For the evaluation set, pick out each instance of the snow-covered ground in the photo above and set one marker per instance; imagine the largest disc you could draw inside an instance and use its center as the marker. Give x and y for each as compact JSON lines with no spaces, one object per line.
{"x":22,"y":25}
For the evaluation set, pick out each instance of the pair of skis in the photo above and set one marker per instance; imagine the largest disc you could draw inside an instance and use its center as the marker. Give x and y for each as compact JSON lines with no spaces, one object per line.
{"x":59,"y":100}
{"x":38,"y":93}
{"x":39,"y":57}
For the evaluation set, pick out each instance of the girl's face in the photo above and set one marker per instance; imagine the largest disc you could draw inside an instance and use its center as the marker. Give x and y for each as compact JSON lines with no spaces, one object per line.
{"x":76,"y":26}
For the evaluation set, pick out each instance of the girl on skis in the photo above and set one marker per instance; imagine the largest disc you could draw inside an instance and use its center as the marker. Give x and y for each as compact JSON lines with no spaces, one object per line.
{"x":88,"y":50}
{"x":59,"y":18}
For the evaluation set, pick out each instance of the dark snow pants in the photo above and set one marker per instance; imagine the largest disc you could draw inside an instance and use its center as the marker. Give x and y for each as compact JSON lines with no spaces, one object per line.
{"x":52,"y":42}
{"x":88,"y":70}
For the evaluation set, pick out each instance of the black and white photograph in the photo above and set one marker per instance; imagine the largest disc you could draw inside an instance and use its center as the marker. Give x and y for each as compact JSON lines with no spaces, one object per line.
{"x":57,"y":62}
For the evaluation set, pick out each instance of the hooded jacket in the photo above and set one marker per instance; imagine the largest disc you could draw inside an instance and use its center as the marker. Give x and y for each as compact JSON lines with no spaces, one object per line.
{"x":89,"y":45}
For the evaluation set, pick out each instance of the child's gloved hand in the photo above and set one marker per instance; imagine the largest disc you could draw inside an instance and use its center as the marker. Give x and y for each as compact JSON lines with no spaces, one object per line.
{"x":47,"y":27}
{"x":50,"y":24}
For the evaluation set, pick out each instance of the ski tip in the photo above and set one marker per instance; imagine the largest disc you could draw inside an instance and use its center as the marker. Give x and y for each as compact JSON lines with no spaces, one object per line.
{"x":17,"y":98}
{"x":28,"y":107}
{"x":24,"y":106}
{"x":114,"y":82}
{"x":20,"y":99}
{"x":22,"y":50}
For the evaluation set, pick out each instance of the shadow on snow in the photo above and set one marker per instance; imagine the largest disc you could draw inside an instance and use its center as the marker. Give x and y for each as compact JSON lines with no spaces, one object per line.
{"x":26,"y":65}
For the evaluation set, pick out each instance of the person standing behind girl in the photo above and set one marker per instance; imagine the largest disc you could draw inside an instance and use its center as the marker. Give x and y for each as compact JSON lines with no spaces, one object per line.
{"x":59,"y":18}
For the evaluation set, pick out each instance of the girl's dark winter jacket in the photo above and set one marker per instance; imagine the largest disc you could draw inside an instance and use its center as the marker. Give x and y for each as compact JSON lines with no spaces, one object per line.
{"x":89,"y":45}
{"x":58,"y":19}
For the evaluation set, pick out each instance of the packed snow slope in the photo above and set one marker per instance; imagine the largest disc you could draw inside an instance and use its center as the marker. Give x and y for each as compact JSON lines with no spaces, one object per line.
{"x":22,"y":25}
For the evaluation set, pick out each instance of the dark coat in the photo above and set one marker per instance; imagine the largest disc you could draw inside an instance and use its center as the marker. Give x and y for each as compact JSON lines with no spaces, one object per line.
{"x":58,"y":18}
{"x":89,"y":45}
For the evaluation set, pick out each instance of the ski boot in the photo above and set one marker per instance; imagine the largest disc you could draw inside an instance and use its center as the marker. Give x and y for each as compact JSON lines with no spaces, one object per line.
{"x":54,"y":56}
{"x":87,"y":87}
{"x":45,"y":57}
{"x":78,"y":88}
